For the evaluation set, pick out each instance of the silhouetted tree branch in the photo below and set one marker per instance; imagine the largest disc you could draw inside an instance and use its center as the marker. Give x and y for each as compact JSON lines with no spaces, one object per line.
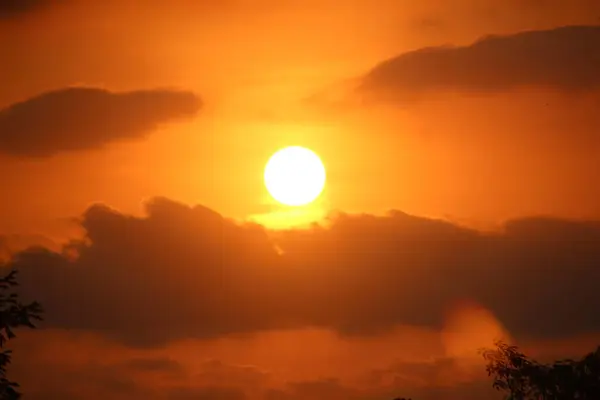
{"x":522,"y":378}
{"x":13,"y":314}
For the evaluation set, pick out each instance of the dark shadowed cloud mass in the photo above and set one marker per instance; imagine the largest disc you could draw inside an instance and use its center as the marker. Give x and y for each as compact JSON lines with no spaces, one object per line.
{"x":16,"y":8}
{"x":187,"y":272}
{"x":565,"y":58}
{"x":79,"y":118}
{"x":212,"y":379}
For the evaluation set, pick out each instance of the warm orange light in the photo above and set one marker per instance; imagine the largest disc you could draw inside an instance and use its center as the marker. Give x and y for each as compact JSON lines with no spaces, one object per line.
{"x":295,"y":176}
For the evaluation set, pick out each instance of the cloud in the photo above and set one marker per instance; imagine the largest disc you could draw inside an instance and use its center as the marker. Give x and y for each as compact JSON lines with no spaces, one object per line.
{"x":207,"y":393}
{"x":187,"y":272}
{"x":91,"y":381}
{"x":329,"y":388}
{"x":438,"y":378}
{"x":11,"y":244}
{"x":155,"y":364}
{"x":80,"y":118}
{"x":217,"y":372}
{"x":61,"y":364}
{"x":411,"y":381}
{"x":15,"y":8}
{"x":564,"y":59}
{"x":66,"y":365}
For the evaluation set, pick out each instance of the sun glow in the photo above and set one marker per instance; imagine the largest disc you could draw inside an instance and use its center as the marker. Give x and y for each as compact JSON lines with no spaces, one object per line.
{"x":295,"y":176}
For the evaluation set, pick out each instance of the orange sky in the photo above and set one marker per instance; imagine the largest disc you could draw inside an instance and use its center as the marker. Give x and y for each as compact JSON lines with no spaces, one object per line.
{"x":254,"y":63}
{"x":472,"y":135}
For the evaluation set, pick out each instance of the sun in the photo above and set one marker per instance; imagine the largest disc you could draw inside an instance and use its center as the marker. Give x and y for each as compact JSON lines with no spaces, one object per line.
{"x":295,"y":176}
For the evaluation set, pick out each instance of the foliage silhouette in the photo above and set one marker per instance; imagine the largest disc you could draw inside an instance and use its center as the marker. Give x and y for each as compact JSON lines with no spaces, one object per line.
{"x":522,"y":378}
{"x":13,"y":314}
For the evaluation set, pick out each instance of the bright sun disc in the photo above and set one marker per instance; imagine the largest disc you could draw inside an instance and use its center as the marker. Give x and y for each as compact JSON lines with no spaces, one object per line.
{"x":294,"y":176}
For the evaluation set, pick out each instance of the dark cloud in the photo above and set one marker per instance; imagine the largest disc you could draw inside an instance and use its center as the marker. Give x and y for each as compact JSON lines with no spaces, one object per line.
{"x":15,"y":8}
{"x":188,"y":272}
{"x":437,"y":378}
{"x":155,"y":364}
{"x":216,"y":372}
{"x":61,"y":378}
{"x":207,"y":393}
{"x":566,"y":58}
{"x":79,"y":118}
{"x":11,"y":244}
{"x":76,"y":372}
{"x":93,"y":381}
{"x":401,"y":380}
{"x":323,"y":388}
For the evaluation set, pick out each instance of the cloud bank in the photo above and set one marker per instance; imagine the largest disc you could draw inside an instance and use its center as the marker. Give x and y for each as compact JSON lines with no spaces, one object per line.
{"x":564,"y":59}
{"x":81,"y":118}
{"x":187,"y":272}
{"x":96,"y":369}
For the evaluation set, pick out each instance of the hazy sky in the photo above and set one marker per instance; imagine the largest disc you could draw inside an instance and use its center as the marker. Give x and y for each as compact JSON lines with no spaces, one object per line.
{"x":461,"y":142}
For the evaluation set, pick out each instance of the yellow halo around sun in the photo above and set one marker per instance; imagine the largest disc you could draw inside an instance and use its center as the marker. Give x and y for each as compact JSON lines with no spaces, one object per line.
{"x":295,"y":176}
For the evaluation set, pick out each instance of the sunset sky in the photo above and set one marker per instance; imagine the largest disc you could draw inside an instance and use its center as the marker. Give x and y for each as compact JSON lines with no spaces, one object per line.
{"x":461,"y":142}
